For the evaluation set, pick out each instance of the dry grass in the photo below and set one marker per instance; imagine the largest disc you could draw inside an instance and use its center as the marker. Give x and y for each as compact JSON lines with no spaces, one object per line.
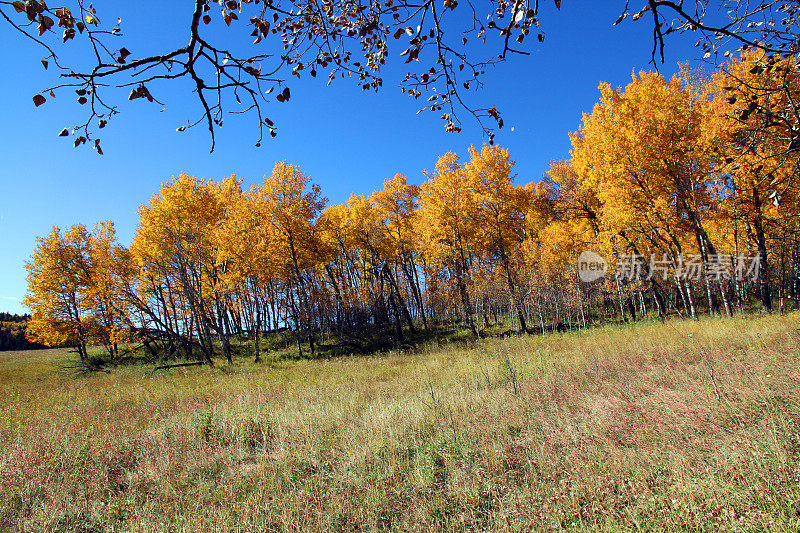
{"x":684,"y":426}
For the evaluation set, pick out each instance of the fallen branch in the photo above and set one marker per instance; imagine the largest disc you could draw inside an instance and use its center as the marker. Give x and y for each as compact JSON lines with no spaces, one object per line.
{"x":194,"y":363}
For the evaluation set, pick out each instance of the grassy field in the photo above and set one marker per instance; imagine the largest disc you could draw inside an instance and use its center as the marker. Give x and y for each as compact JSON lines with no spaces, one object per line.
{"x":683,"y":426}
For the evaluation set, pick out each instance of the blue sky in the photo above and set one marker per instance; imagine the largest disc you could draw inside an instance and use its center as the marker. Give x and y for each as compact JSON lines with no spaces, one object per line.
{"x":347,"y":140}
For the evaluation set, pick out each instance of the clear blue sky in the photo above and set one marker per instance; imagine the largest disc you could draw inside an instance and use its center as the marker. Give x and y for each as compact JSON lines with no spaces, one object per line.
{"x":347,"y":140}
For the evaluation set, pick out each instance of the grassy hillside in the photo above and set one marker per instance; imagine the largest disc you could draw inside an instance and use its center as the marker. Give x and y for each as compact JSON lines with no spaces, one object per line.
{"x":688,"y":425}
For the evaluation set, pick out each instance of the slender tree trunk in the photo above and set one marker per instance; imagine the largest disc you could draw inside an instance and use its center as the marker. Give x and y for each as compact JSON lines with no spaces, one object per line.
{"x":399,"y":302}
{"x":222,"y":333}
{"x":462,"y":289}
{"x":396,"y":312}
{"x":512,"y":289}
{"x":761,"y":243}
{"x":257,"y":332}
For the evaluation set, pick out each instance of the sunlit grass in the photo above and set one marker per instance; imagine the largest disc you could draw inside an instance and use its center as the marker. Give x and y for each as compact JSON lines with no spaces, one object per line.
{"x":687,"y":425}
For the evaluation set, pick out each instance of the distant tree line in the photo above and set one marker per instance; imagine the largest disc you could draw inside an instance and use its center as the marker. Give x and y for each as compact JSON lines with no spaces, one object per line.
{"x":13,"y":330}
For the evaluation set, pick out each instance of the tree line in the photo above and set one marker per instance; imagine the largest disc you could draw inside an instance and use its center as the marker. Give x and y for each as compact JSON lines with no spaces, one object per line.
{"x":664,"y":174}
{"x":13,"y":333}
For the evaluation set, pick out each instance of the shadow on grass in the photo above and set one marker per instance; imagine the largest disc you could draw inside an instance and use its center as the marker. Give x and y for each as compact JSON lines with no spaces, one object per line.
{"x":367,"y":340}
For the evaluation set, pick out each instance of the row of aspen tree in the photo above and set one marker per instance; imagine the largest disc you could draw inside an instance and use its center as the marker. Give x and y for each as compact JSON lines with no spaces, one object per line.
{"x":687,"y":187}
